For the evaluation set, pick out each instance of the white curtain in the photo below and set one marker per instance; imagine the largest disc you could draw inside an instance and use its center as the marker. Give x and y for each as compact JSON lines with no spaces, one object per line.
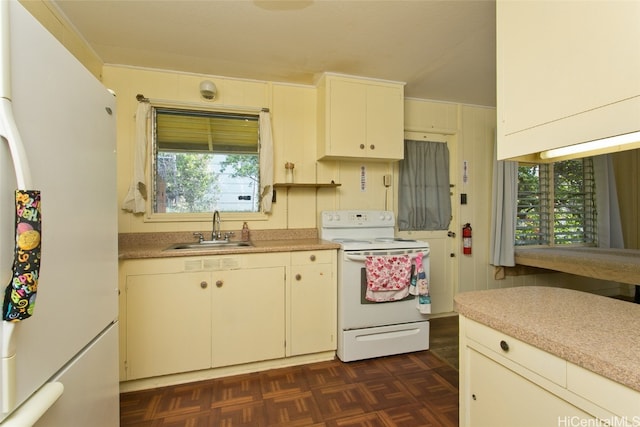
{"x":503,"y":213}
{"x":609,"y":223}
{"x":135,"y":200}
{"x":266,"y":162}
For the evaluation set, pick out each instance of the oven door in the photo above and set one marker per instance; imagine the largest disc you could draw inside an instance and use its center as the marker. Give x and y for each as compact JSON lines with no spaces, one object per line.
{"x":354,"y":311}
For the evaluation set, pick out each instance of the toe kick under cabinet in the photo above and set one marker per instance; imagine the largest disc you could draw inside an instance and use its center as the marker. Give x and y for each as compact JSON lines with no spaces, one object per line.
{"x":188,"y":314}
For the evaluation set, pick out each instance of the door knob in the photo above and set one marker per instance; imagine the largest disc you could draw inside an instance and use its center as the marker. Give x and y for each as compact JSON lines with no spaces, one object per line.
{"x":204,"y":285}
{"x":219,"y":283}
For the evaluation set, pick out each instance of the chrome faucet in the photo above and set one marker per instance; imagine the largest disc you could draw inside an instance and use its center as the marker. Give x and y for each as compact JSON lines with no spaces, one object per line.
{"x":215,"y":231}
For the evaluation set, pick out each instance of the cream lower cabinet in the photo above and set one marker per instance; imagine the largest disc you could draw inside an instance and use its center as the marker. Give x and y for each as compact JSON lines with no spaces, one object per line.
{"x":168,"y":327}
{"x":313,"y":302}
{"x":187,"y":314}
{"x":500,"y":397}
{"x":507,"y":382}
{"x":247,"y":316}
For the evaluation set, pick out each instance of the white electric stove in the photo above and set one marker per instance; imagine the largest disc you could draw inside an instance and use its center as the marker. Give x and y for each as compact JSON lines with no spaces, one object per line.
{"x":369,"y":329}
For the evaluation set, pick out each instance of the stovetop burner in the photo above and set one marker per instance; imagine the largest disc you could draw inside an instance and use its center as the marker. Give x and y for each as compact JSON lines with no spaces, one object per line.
{"x":364,"y":230}
{"x":346,"y":240}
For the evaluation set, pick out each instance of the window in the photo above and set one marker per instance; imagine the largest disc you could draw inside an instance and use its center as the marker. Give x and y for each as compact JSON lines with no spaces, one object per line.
{"x":556,"y":203}
{"x":204,"y":161}
{"x":424,"y":201}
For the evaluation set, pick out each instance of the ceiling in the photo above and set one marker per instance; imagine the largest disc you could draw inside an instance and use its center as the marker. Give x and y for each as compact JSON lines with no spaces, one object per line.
{"x":443,"y":50}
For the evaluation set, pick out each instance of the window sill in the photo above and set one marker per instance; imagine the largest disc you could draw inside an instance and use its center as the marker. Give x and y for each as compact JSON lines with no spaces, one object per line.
{"x":305,"y":185}
{"x":618,"y":265}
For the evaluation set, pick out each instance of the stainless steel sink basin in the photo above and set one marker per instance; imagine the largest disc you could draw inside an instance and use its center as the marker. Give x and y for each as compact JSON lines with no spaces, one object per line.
{"x":207,"y":245}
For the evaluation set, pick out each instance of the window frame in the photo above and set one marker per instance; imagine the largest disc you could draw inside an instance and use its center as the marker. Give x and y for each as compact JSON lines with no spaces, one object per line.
{"x":175,"y":217}
{"x":547,"y":187}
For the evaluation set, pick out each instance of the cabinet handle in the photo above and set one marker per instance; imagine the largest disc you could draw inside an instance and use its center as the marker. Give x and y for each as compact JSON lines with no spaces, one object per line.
{"x":373,"y":147}
{"x":219,"y":283}
{"x":504,"y":346}
{"x":312,"y":257}
{"x":362,"y":146}
{"x":204,"y":285}
{"x":298,"y":276}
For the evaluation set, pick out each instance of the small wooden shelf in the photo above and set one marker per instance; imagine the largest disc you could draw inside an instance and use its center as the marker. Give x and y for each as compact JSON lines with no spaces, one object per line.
{"x":304,"y":185}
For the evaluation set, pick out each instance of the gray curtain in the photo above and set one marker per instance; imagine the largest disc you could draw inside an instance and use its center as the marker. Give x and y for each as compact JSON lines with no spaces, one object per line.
{"x":424,"y":202}
{"x":504,"y":208}
{"x":609,"y":223}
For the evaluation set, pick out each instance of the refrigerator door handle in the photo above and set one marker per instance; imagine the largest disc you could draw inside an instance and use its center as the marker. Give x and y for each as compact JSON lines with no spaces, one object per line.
{"x":10,"y":133}
{"x":35,"y":407}
{"x":8,"y":127}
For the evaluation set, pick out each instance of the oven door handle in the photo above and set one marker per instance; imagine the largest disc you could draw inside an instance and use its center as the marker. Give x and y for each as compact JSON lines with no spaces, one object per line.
{"x":357,"y":258}
{"x":360,"y":257}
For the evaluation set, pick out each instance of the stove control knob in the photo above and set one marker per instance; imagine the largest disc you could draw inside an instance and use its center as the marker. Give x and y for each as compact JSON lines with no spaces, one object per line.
{"x":336,"y":217}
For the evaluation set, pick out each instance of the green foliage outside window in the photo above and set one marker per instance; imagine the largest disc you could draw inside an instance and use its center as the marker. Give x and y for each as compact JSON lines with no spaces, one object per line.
{"x":556,"y":203}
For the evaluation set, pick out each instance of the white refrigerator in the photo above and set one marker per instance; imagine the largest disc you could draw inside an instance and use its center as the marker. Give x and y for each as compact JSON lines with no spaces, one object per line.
{"x":60,"y":365}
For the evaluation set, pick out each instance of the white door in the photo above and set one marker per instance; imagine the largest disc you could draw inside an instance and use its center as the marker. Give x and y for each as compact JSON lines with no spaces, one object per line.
{"x":444,"y":247}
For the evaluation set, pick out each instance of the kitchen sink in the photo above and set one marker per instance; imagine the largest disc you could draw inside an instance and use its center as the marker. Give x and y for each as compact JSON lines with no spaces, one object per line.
{"x":207,"y":245}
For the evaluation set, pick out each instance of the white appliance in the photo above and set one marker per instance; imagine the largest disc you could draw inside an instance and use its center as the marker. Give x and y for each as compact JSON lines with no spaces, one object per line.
{"x":60,"y":366}
{"x":371,"y":329}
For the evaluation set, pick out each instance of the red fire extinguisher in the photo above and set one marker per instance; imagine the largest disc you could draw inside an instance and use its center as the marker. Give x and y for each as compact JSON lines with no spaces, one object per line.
{"x":466,"y":239}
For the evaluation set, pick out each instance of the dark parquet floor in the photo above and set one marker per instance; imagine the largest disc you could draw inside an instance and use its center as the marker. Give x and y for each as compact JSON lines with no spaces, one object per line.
{"x":409,"y":390}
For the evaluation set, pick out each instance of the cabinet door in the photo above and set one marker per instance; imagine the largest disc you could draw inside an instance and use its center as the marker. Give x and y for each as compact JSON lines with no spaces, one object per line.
{"x":313,"y":309}
{"x":576,"y":81}
{"x":385,"y":122}
{"x":168,"y":324}
{"x":248,"y":317}
{"x":364,"y":119}
{"x":497,"y":396}
{"x":347,"y":119}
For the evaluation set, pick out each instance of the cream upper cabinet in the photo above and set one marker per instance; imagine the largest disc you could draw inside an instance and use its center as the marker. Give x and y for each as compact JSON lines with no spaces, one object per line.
{"x":313,"y":302}
{"x":360,"y":118}
{"x":567,"y":72}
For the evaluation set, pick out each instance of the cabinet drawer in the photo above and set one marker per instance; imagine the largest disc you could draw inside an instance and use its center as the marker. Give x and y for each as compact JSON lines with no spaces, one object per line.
{"x":617,"y":398}
{"x":538,"y":361}
{"x":310,"y":257}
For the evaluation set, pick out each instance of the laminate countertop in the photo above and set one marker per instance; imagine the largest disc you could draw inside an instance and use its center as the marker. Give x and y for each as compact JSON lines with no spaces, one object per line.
{"x":154,"y":245}
{"x":598,"y":333}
